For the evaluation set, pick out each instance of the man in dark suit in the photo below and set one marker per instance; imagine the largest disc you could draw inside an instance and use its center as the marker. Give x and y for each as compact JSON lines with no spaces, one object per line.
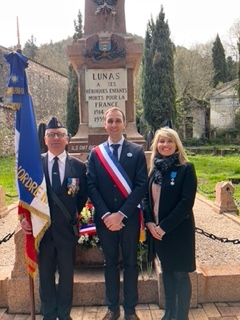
{"x":66,"y":177}
{"x":116,"y":188}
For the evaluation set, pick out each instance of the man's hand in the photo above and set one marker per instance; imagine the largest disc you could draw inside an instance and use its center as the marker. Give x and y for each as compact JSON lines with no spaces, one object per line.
{"x":26,"y":226}
{"x":114,"y":221}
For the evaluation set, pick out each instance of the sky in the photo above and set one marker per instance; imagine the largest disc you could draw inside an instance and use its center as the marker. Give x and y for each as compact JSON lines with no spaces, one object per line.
{"x":190,"y":21}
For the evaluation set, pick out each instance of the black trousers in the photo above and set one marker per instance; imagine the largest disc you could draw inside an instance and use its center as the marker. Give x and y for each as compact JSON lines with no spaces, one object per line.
{"x":56,"y":300}
{"x":177,"y":291}
{"x":126,"y":239}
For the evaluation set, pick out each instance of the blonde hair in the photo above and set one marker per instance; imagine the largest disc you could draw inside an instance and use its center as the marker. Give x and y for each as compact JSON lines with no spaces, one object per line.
{"x":170,"y":134}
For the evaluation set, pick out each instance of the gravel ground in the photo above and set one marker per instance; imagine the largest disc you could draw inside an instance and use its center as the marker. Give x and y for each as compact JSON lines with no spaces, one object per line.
{"x":214,"y":252}
{"x":208,"y":251}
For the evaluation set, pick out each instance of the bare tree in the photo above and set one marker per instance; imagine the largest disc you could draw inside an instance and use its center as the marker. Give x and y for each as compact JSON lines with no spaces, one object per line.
{"x":193,"y":70}
{"x":231,"y":44}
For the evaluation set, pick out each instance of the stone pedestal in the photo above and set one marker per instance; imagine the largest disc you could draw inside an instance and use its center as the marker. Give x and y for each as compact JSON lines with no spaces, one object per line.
{"x":106,"y":62}
{"x":224,"y":201}
{"x":89,"y":256}
{"x":19,"y":285}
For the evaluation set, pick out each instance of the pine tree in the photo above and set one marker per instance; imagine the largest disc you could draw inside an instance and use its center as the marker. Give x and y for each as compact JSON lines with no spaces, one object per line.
{"x":219,"y":62}
{"x":158,"y":92}
{"x":72,"y":121}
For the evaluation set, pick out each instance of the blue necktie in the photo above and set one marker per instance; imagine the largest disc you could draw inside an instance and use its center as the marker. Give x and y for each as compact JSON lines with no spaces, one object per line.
{"x":115,"y":149}
{"x":56,"y":183}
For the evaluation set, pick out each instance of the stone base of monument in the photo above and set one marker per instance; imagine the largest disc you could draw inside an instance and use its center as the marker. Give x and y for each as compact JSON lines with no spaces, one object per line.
{"x":209,"y":284}
{"x":89,"y":288}
{"x":89,"y":256}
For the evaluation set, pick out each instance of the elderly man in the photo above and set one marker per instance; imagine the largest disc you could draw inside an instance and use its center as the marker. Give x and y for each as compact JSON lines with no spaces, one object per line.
{"x":58,"y":245}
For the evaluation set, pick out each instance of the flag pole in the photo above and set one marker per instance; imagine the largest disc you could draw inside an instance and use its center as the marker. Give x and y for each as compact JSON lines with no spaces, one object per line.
{"x":32,"y":300}
{"x":32,"y":207}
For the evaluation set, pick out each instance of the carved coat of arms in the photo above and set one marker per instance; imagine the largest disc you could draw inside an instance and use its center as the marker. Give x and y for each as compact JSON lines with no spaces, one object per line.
{"x":105,"y":6}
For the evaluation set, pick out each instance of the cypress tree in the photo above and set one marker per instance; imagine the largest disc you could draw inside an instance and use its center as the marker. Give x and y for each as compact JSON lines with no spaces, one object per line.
{"x":230,"y":69}
{"x":219,"y":62}
{"x":238,"y":44}
{"x":72,"y":121}
{"x":158,"y":90}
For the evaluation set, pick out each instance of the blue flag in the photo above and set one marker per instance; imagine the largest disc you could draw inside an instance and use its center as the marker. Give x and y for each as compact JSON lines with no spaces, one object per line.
{"x":31,"y":184}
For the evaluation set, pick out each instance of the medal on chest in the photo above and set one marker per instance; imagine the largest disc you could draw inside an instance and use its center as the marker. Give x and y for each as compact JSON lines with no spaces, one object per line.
{"x":173,"y":176}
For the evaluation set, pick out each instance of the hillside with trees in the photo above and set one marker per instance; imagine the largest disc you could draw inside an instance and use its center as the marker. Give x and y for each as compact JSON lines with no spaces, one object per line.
{"x":168,"y":74}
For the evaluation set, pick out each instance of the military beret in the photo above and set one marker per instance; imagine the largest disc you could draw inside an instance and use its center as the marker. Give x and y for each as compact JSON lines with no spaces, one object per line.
{"x":54,"y":124}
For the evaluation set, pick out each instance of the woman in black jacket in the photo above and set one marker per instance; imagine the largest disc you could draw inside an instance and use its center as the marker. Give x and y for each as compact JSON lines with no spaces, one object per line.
{"x":168,"y":214}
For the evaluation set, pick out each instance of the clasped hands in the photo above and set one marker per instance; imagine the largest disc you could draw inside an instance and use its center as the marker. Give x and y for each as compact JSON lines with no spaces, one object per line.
{"x":155,"y":230}
{"x":113,"y":221}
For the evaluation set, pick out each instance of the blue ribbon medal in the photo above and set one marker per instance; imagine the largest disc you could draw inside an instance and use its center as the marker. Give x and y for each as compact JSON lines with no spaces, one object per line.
{"x":173,"y":176}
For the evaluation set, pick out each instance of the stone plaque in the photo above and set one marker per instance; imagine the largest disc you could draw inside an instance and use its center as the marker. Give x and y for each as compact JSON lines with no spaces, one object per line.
{"x":105,"y":88}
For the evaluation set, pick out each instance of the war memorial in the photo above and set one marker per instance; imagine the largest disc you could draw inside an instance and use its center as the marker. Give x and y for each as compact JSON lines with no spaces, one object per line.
{"x":107,"y":61}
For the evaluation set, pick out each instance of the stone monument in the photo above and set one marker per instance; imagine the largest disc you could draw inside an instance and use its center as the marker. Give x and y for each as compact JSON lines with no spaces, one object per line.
{"x":106,"y":62}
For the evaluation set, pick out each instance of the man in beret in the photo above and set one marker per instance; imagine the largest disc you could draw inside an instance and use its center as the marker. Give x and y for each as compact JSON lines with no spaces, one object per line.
{"x":58,"y":245}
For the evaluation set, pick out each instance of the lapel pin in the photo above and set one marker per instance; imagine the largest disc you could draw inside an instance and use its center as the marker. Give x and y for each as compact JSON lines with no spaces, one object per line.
{"x":129,"y":154}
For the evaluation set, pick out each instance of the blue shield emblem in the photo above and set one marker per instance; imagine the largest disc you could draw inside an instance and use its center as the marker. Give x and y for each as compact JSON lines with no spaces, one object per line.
{"x":104,"y":44}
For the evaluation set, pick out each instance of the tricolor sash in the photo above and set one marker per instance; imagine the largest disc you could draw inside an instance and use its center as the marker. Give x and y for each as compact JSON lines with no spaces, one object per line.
{"x":118,"y":176}
{"x":89,"y":230}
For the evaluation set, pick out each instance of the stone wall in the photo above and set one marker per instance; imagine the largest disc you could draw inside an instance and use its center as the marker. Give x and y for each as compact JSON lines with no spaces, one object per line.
{"x":224,"y":103}
{"x":49,"y":94}
{"x":6,"y":131}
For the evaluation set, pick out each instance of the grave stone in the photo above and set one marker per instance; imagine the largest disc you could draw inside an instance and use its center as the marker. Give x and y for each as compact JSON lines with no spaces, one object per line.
{"x":106,"y":61}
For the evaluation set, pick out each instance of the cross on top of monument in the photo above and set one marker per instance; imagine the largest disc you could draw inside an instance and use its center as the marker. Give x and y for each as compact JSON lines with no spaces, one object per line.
{"x":104,"y":15}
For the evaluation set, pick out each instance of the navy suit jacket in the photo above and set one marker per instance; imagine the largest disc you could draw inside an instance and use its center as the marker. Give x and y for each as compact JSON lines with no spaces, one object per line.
{"x":60,"y":230}
{"x":105,"y":195}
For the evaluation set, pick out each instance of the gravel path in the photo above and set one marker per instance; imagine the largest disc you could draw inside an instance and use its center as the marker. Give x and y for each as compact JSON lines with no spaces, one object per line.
{"x":214,"y":252}
{"x":208,"y":251}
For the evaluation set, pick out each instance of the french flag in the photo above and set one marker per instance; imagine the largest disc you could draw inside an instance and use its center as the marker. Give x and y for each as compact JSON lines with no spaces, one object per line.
{"x":30,"y":179}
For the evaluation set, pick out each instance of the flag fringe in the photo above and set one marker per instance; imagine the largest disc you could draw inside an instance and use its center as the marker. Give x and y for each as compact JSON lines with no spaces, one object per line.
{"x":32,"y":266}
{"x":42,"y":216}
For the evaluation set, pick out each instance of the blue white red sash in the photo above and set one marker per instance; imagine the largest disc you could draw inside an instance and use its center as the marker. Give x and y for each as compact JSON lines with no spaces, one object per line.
{"x":114,"y":169}
{"x":117,"y":174}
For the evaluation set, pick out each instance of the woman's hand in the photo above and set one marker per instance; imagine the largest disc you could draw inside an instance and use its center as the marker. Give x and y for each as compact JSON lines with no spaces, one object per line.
{"x":155,"y":230}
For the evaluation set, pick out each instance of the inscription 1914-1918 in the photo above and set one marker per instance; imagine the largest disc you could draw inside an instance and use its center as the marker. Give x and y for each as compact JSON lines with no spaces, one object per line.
{"x":104,"y":89}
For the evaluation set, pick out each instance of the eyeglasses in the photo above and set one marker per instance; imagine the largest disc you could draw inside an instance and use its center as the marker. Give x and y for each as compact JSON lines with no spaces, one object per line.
{"x":59,"y":135}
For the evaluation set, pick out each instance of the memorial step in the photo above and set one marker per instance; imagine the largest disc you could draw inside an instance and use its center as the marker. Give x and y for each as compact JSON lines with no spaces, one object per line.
{"x":89,"y":287}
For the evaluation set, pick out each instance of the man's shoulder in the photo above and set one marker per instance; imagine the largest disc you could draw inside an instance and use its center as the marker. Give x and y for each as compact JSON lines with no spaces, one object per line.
{"x":75,"y":161}
{"x":133,"y":145}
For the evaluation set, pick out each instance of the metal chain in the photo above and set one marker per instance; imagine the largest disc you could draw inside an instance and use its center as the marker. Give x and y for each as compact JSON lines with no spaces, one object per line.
{"x":7,"y":237}
{"x":213,"y":237}
{"x":206,"y":192}
{"x":198,"y":230}
{"x":10,"y":196}
{"x":237,"y":202}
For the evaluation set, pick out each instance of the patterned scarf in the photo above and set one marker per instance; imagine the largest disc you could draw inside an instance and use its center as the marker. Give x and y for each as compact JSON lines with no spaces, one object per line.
{"x":161,"y":165}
